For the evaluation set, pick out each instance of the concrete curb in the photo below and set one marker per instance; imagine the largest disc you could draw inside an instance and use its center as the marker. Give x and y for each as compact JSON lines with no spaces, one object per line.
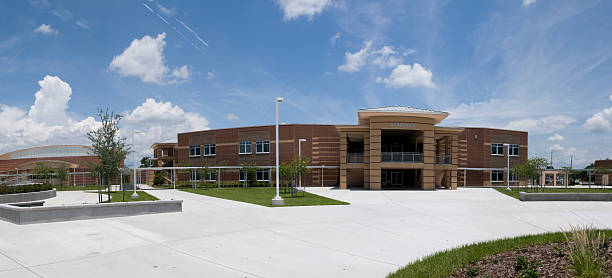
{"x":27,"y":197}
{"x":32,"y":215}
{"x":600,"y":197}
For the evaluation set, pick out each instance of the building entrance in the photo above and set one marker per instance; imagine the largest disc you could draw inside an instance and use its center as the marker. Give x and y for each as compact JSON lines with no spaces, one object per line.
{"x":400,"y":178}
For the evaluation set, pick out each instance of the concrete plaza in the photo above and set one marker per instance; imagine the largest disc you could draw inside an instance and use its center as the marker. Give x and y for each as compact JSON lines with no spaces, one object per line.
{"x":378,"y":233}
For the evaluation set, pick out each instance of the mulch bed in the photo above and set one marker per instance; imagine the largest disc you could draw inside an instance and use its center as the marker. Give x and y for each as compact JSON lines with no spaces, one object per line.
{"x":554,"y":261}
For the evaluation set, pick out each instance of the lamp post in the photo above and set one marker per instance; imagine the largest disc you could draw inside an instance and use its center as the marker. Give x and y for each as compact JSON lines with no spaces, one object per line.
{"x":18,"y":178}
{"x":300,"y":157}
{"x":507,"y":166}
{"x":134,"y":195}
{"x":277,"y":200}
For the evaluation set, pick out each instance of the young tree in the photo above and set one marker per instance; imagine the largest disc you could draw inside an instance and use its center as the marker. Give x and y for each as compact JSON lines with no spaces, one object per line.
{"x":158,"y":179}
{"x":300,"y":167}
{"x":42,"y":171}
{"x":145,"y":162}
{"x":250,"y":170}
{"x":109,"y":147}
{"x":61,"y":173}
{"x":204,"y":173}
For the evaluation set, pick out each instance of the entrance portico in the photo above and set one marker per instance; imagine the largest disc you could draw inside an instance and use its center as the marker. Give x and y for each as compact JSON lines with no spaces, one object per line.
{"x":399,"y":147}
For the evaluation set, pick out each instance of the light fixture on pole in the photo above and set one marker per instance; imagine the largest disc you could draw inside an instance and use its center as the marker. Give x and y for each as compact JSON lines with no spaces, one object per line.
{"x":507,"y":166}
{"x":277,"y":200}
{"x":134,"y":195}
{"x":300,"y":157}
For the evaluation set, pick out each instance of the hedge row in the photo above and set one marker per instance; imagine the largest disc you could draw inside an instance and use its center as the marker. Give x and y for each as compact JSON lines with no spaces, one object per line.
{"x":5,"y":189}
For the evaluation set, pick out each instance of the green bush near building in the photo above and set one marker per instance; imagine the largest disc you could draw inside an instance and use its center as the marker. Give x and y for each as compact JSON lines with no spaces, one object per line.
{"x":5,"y":189}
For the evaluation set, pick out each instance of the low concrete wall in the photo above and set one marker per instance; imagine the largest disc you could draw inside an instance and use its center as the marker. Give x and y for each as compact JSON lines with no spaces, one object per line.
{"x":27,"y":197}
{"x":31,"y":215}
{"x":565,"y":196}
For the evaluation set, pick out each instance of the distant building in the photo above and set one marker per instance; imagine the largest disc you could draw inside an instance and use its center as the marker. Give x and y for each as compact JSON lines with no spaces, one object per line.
{"x":603,"y":179}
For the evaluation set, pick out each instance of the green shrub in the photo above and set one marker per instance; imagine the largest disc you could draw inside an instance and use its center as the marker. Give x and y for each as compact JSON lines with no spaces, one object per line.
{"x":5,"y":189}
{"x":473,"y":271}
{"x":520,"y":263}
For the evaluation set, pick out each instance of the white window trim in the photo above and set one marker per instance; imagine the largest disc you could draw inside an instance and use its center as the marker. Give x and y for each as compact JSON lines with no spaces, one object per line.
{"x":210,"y":154}
{"x":239,"y":178}
{"x":191,"y":176}
{"x":240,"y":143}
{"x":211,"y":180}
{"x":264,"y":170}
{"x":195,"y":155}
{"x":519,"y":149}
{"x":257,"y":152}
{"x":496,"y":154}
{"x":491,"y":176}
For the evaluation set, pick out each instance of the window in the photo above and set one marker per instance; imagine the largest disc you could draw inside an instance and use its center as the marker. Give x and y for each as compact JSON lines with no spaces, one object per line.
{"x":263,"y":174}
{"x":245,"y":148}
{"x":497,"y":149}
{"x":242,"y":175}
{"x":497,"y":175}
{"x":212,"y":176}
{"x":210,"y":150}
{"x":513,"y":178}
{"x":194,"y":150}
{"x":263,"y":147}
{"x":513,"y":150}
{"x":194,"y":175}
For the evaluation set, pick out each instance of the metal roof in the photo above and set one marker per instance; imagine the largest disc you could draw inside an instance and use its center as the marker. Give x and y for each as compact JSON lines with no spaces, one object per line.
{"x":404,"y":109}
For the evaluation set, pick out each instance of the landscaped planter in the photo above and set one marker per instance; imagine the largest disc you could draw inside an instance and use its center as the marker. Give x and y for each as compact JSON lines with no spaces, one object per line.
{"x":605,"y":197}
{"x":31,"y":215}
{"x":27,"y":197}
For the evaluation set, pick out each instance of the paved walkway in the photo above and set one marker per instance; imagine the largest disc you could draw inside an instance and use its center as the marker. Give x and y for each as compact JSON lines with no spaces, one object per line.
{"x":380,"y":232}
{"x":74,"y":198}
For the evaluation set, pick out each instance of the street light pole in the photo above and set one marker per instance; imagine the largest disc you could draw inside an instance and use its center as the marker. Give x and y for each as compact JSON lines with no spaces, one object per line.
{"x":277,"y":200}
{"x":134,"y":195}
{"x":300,"y":157}
{"x":507,"y":166}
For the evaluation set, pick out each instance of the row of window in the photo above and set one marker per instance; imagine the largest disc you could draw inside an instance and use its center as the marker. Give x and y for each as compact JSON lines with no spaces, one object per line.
{"x":498,"y":149}
{"x":262,"y":175}
{"x":244,"y":147}
{"x":498,"y":176}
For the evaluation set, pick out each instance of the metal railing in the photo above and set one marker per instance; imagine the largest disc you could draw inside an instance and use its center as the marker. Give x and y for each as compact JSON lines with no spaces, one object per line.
{"x":402,"y":157}
{"x":354,"y":158}
{"x":444,"y":159}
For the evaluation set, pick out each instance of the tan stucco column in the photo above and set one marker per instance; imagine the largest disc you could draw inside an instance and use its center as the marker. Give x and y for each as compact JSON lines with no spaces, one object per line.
{"x":455,"y":160}
{"x":366,"y":162}
{"x":343,"y":149}
{"x":429,"y":152}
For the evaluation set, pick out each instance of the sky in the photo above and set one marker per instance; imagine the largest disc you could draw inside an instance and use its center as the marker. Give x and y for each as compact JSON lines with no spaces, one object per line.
{"x":174,"y":66}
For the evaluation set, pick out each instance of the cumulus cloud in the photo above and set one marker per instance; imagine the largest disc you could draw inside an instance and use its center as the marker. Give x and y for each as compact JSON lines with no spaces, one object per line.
{"x":47,"y":121}
{"x":408,"y":76}
{"x":600,"y":121}
{"x":385,"y":57}
{"x":556,"y":137}
{"x":334,"y":38}
{"x":527,"y":3}
{"x":547,"y":124}
{"x":293,"y":9}
{"x":46,"y":30}
{"x":556,"y":147}
{"x":356,"y":60}
{"x":144,"y":58}
{"x":232,"y":117}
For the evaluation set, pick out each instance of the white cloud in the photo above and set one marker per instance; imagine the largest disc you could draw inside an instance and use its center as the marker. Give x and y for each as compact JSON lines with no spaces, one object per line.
{"x":211,"y":75}
{"x":528,"y":2}
{"x":408,"y":76}
{"x":600,"y":121}
{"x":48,"y":122}
{"x":46,"y":29}
{"x":62,"y":14}
{"x":542,"y":125}
{"x":293,"y":9}
{"x":82,"y":24}
{"x":232,"y":117}
{"x":356,"y":60}
{"x":385,"y":57}
{"x":556,"y":147}
{"x":165,"y":10}
{"x":556,"y":137}
{"x":334,"y":38}
{"x":145,"y":58}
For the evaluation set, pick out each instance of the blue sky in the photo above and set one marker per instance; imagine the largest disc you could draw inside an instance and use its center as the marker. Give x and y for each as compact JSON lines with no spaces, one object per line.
{"x":174,"y":66}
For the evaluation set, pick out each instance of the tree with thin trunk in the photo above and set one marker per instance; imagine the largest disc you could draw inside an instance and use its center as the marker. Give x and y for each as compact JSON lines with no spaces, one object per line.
{"x":42,"y":171}
{"x":109,"y":147}
{"x":61,"y":173}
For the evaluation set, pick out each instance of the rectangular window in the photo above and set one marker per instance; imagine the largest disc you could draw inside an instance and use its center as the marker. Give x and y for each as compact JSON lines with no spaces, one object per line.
{"x":497,"y":149}
{"x":497,"y":175}
{"x":212,"y":176}
{"x":263,"y":147}
{"x":194,"y":175}
{"x":194,"y":150}
{"x":210,"y":150}
{"x":245,"y":148}
{"x":242,"y":176}
{"x":513,"y":178}
{"x":513,"y":150}
{"x":263,"y":174}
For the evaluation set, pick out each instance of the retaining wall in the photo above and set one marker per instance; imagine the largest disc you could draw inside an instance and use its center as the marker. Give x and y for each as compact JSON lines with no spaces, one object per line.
{"x":27,"y":197}
{"x":31,"y":215}
{"x":565,"y":196}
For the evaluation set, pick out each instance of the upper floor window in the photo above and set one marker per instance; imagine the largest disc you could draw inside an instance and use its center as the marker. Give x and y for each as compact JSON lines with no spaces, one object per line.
{"x":210,"y":150}
{"x":513,"y":150}
{"x":263,"y":174}
{"x":194,"y":175}
{"x":245,"y":148}
{"x":263,"y":147}
{"x":497,"y":149}
{"x":497,"y":175}
{"x":194,"y":150}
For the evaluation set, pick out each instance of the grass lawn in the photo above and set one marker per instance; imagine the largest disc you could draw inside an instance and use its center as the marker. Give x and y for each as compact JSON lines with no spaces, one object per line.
{"x":117,"y":196}
{"x":263,"y":195}
{"x":77,"y":188}
{"x":514,"y":193}
{"x":443,"y":263}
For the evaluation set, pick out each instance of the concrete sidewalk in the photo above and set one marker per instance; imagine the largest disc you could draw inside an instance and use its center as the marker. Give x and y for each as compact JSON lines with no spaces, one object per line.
{"x":379,"y":232}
